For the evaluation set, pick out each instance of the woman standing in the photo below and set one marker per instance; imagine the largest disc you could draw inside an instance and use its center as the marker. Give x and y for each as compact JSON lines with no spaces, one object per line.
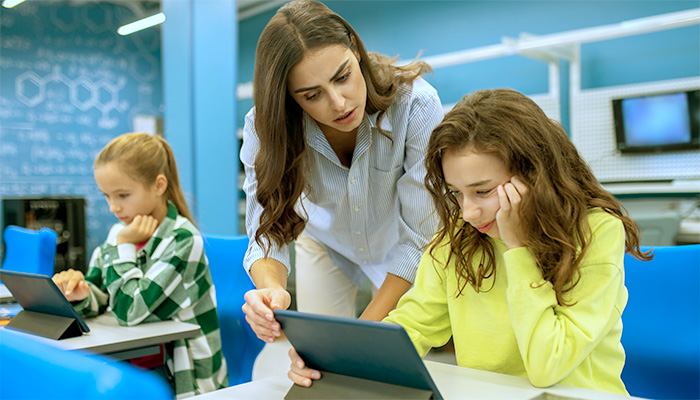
{"x":334,"y":158}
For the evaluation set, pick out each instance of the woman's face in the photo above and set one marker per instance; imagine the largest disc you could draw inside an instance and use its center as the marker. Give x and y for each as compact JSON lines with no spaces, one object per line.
{"x":472,"y":178}
{"x":328,"y":84}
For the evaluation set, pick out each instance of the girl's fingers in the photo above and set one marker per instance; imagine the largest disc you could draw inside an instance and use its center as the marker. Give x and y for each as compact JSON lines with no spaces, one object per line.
{"x":143,"y":224}
{"x":152,"y":224}
{"x":72,"y":284}
{"x":299,"y":373}
{"x":519,"y":185}
{"x":512,"y":193}
{"x":58,"y":280}
{"x":503,"y":199}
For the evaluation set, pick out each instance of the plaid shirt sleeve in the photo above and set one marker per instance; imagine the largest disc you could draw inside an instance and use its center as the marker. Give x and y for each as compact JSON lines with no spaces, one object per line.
{"x":97,"y":301}
{"x":154,"y":293}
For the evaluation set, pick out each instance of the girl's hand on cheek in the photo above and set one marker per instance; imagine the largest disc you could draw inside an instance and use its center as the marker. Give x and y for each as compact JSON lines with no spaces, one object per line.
{"x":510,"y":195}
{"x":139,"y":230}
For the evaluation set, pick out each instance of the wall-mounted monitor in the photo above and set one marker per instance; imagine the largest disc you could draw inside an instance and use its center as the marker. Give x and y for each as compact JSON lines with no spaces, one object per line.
{"x":658,"y":122}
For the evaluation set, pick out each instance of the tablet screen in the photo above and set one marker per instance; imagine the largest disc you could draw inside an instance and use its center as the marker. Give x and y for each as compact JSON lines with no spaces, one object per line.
{"x":378,"y":351}
{"x":40,"y":294}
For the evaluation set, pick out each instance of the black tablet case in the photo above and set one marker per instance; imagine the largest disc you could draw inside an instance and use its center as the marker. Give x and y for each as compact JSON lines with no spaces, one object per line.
{"x":46,"y":311}
{"x":360,"y":358}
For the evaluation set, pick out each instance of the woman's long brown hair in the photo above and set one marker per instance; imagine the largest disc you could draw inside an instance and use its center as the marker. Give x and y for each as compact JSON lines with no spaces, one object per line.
{"x":143,"y":157}
{"x":510,"y":126}
{"x":298,"y":27}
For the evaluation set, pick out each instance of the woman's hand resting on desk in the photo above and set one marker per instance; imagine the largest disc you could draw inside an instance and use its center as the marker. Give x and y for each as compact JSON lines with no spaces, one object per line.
{"x":299,"y":373}
{"x":258,"y":309}
{"x":72,"y":284}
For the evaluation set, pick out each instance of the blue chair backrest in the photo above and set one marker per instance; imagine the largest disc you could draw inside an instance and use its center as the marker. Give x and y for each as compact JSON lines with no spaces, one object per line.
{"x":239,"y":343}
{"x":33,"y":369}
{"x":27,"y":250}
{"x":661,"y":324}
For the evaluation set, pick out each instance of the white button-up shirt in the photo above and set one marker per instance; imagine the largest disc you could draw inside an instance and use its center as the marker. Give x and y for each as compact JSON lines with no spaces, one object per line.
{"x":376,"y":216}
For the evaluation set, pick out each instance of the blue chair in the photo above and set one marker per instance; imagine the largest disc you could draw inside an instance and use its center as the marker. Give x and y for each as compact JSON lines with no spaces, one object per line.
{"x":239,"y":343}
{"x":27,"y":250}
{"x":31,"y":368}
{"x":661,"y":324}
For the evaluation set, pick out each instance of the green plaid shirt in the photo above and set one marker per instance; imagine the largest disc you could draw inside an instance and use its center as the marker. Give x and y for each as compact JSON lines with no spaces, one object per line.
{"x":168,"y":279}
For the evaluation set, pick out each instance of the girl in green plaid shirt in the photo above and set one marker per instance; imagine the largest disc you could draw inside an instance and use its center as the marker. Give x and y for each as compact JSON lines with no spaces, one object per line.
{"x":152,"y":266}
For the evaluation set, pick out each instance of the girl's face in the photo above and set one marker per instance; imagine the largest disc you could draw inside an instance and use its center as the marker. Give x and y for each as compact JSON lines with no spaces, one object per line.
{"x":128,"y":198}
{"x":473,"y":178}
{"x":328,"y":84}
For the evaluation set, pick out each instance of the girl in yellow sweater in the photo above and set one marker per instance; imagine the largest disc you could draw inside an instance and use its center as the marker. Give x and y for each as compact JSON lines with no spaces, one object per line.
{"x":526,"y":271}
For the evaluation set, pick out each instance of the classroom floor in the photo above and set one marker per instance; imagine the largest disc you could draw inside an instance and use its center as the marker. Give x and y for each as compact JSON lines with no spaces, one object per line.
{"x":274,"y":361}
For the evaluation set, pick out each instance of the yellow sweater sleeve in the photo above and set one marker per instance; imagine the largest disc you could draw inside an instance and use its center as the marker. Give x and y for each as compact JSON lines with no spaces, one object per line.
{"x":555,"y":340}
{"x":423,"y":310}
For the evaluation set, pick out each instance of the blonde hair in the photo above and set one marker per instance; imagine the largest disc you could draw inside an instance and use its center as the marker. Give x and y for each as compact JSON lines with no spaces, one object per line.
{"x":143,"y":157}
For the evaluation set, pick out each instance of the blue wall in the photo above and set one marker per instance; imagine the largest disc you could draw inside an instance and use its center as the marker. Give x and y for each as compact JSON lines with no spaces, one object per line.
{"x":407,"y":28}
{"x":68,"y":85}
{"x":82,"y":84}
{"x":199,"y":79}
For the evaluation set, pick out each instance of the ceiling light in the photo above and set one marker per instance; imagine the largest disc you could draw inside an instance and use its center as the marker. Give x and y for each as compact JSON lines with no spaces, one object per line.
{"x":140,"y":24}
{"x":11,"y":3}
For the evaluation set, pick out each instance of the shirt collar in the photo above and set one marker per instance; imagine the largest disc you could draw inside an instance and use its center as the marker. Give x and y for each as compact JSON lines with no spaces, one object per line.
{"x":385,"y":123}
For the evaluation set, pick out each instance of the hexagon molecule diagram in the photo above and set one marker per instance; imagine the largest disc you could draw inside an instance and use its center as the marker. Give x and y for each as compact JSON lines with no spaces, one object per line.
{"x":83,"y":93}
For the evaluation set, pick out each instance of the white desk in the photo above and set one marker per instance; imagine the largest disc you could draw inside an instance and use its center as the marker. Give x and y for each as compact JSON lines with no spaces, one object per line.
{"x":453,"y":382}
{"x":107,"y":337}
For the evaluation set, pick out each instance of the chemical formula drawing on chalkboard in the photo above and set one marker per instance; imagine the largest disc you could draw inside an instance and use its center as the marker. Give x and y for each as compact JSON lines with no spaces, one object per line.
{"x":68,"y":85}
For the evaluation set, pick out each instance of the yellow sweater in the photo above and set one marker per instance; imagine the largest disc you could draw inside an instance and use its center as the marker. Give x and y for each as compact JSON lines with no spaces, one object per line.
{"x":517,"y":328}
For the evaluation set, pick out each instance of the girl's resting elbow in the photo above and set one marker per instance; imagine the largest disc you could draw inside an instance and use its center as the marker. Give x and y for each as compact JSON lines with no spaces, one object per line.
{"x":542,"y":380}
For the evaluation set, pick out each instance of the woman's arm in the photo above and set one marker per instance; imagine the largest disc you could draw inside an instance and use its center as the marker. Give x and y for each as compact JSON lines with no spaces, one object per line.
{"x":268,"y":271}
{"x":416,"y":221}
{"x":386,"y":298}
{"x":256,"y":251}
{"x":270,"y":279}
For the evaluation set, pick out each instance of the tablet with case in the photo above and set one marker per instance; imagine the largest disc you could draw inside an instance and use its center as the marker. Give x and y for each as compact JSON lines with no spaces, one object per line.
{"x":46,"y":311}
{"x":370,"y":351}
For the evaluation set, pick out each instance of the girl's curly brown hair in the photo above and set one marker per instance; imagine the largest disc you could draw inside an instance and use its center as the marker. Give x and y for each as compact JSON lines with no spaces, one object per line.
{"x":510,"y":126}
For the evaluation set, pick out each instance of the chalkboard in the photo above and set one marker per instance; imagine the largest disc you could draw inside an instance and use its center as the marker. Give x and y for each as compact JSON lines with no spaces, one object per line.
{"x":68,"y":85}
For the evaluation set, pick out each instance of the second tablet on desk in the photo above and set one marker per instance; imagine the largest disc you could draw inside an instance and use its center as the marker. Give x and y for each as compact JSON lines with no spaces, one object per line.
{"x":356,"y":357}
{"x":46,"y":311}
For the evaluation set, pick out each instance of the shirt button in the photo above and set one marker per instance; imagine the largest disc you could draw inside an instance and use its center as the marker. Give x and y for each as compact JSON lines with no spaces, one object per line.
{"x":358,"y":233}
{"x":352,"y":181}
{"x":357,"y":209}
{"x":361,"y":249}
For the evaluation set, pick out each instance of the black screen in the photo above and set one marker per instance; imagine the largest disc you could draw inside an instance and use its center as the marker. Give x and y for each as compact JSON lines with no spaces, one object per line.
{"x":657,"y":123}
